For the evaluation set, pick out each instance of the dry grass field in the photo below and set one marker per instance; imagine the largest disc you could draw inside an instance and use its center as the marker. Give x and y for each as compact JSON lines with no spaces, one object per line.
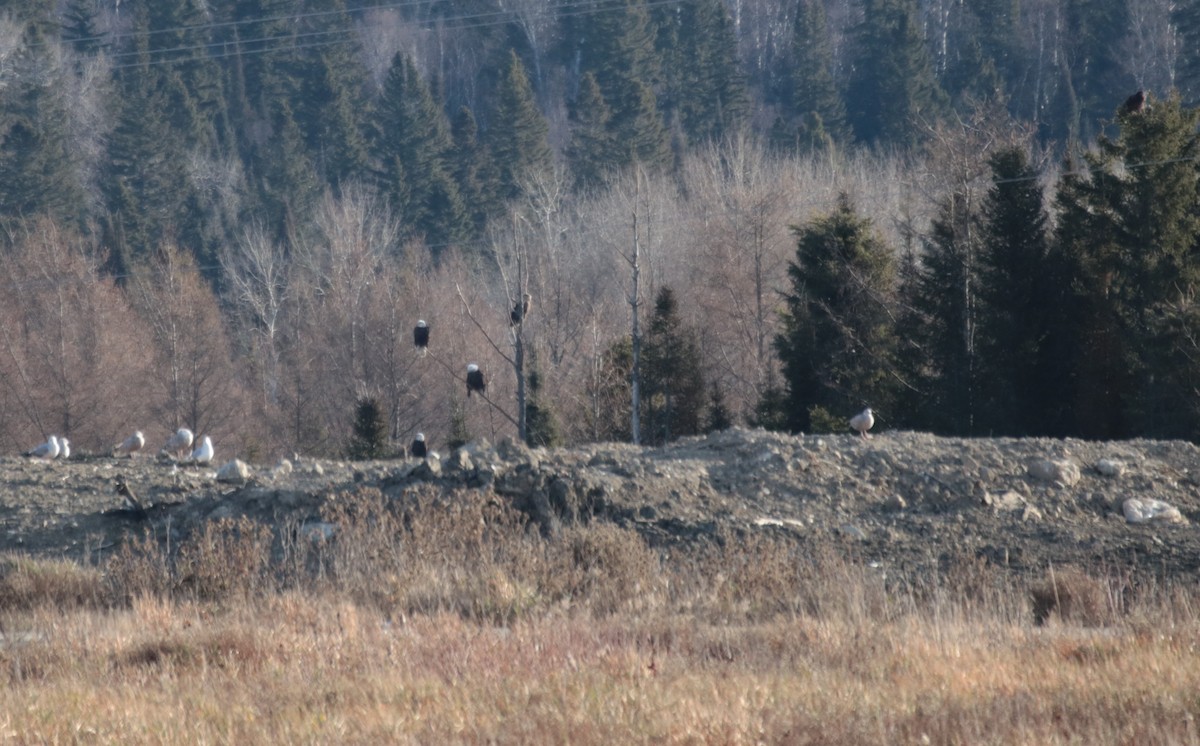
{"x":435,"y":620}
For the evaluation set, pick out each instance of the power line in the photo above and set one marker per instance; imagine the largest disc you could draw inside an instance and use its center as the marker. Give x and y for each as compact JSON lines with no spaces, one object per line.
{"x":568,"y":9}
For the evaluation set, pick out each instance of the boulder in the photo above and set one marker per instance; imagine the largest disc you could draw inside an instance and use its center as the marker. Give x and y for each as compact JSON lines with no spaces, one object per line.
{"x":1110,"y":468}
{"x":234,"y":472}
{"x":1150,"y":510}
{"x":1062,"y":471}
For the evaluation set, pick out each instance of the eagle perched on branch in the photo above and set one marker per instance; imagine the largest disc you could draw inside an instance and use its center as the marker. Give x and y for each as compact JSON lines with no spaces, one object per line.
{"x":1135,"y":103}
{"x":475,"y":380}
{"x":521,"y":310}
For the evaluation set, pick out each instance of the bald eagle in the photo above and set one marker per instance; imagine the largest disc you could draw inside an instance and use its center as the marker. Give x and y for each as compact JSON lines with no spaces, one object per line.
{"x":1135,"y":103}
{"x":421,"y":337}
{"x":475,"y":380}
{"x":418,"y":446}
{"x":520,"y":310}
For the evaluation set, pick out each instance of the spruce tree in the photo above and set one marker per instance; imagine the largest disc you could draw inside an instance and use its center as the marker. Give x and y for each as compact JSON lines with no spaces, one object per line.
{"x":705,"y":88}
{"x":474,"y":172}
{"x":838,"y":343}
{"x":411,"y":147}
{"x":1026,"y":349}
{"x":1133,"y":225}
{"x":37,"y":171}
{"x":892,"y":87}
{"x":1187,"y":23}
{"x":814,"y":94}
{"x":673,"y":375}
{"x":517,"y":136}
{"x":942,"y":290}
{"x":591,"y":153}
{"x":620,"y":53}
{"x":541,"y":425}
{"x":370,"y":439}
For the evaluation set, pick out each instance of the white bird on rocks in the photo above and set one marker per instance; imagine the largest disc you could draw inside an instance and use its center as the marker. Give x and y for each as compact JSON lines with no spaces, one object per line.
{"x":204,"y":452}
{"x":862,"y":422}
{"x":130,"y":445}
{"x":179,"y":443}
{"x":64,"y":448}
{"x":47,"y":450}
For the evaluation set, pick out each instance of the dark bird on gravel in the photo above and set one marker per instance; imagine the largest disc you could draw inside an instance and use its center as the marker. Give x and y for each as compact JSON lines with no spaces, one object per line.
{"x":131,"y":504}
{"x":418,"y":446}
{"x":475,"y":380}
{"x":1135,"y":103}
{"x":421,"y":337}
{"x":521,"y":310}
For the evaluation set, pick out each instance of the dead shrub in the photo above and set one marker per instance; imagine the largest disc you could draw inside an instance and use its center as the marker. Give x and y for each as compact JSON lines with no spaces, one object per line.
{"x":606,"y":568}
{"x":1071,"y":595}
{"x":28,"y":583}
{"x":222,"y":648}
{"x":227,"y":558}
{"x":139,"y":568}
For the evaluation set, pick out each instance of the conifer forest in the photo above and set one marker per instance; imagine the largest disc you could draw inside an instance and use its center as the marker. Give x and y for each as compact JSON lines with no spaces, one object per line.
{"x":977,"y":218}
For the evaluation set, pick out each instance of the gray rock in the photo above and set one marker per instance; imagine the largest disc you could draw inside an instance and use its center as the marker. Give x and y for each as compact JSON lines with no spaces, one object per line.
{"x":1060,"y":471}
{"x":1110,"y":467}
{"x":1150,"y":510}
{"x":234,"y":472}
{"x":459,"y":460}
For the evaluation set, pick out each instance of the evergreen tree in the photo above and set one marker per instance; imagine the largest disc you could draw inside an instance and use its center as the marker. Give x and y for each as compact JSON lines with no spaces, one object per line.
{"x":411,"y":152}
{"x":145,"y":180}
{"x":370,"y":439}
{"x":673,"y":375}
{"x":942,"y":290}
{"x":719,"y":416}
{"x":838,"y":344}
{"x":1133,"y":227}
{"x":892,"y":87}
{"x":37,"y":173}
{"x":541,"y":426}
{"x":1025,"y":345}
{"x":591,"y":153}
{"x":517,"y":136}
{"x":705,"y":88}
{"x":1187,"y":23}
{"x":815,"y":99}
{"x":79,"y":26}
{"x":331,"y":107}
{"x":1094,"y":46}
{"x":672,"y":370}
{"x":289,"y":186}
{"x":619,"y":51}
{"x":474,"y":172}
{"x":178,"y":39}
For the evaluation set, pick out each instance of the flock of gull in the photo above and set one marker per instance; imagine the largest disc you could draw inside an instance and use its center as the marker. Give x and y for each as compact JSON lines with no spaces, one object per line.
{"x":177,"y":447}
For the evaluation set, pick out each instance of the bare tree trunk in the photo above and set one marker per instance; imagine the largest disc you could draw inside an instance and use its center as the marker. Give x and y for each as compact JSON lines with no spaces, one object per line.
{"x":635,"y":425}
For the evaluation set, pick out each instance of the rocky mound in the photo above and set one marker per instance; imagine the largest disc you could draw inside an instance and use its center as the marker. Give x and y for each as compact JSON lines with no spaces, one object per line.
{"x":909,"y":502}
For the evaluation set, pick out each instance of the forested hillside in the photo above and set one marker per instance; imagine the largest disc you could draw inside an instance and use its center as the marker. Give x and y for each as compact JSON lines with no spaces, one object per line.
{"x":230,"y":214}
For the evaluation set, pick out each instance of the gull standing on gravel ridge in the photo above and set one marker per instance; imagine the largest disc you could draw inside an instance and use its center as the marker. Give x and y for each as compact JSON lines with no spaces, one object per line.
{"x":64,"y":448}
{"x":862,"y":422}
{"x":204,"y":452}
{"x":47,"y":450}
{"x":179,"y":443}
{"x":130,"y":445}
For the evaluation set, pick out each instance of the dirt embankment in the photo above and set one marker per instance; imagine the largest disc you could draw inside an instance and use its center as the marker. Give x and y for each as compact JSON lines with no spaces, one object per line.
{"x":908,"y":502}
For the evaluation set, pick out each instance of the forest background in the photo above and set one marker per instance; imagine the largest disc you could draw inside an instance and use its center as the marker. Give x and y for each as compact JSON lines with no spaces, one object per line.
{"x":229,"y":214}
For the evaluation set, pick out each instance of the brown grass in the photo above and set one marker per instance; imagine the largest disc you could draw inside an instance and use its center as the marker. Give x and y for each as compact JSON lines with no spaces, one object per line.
{"x":445,"y":619}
